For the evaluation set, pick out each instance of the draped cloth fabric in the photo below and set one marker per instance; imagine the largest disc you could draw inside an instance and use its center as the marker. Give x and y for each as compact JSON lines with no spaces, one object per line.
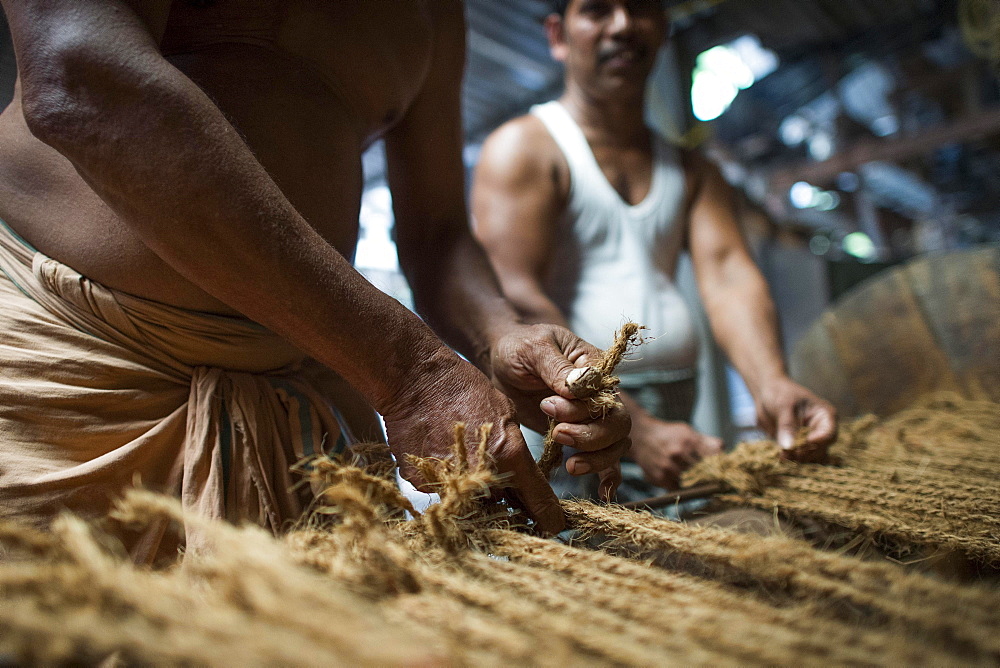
{"x":100,"y":390}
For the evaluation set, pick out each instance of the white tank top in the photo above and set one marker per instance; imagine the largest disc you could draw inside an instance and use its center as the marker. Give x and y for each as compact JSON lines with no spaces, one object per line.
{"x":615,"y":262}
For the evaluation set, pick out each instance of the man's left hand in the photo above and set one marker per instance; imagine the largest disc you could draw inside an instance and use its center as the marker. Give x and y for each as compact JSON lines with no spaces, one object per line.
{"x":784,"y":407}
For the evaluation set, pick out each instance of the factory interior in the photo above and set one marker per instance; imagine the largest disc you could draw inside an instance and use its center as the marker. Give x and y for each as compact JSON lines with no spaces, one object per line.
{"x":858,"y":147}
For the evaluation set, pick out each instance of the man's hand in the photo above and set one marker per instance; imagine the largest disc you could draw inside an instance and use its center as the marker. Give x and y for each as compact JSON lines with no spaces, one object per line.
{"x":531,"y":362}
{"x":664,"y":450}
{"x":784,"y":407}
{"x":449,"y":391}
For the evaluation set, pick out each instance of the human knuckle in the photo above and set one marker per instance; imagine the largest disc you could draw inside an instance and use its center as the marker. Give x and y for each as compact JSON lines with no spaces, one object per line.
{"x":537,"y":336}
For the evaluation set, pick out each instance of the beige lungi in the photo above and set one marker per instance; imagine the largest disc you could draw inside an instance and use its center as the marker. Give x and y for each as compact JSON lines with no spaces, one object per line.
{"x":100,"y":390}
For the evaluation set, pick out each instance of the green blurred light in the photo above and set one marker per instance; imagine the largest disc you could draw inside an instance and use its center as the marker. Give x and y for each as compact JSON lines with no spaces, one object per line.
{"x":725,"y":62}
{"x":710,"y":94}
{"x":859,"y":245}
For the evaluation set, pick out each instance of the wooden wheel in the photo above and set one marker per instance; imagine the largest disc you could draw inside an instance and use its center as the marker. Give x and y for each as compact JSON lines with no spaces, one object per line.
{"x":930,"y":324}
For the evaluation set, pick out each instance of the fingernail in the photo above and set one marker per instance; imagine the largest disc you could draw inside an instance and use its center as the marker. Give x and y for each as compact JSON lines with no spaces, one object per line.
{"x":562,"y":438}
{"x":549,"y":407}
{"x":579,"y":468}
{"x":786,"y":441}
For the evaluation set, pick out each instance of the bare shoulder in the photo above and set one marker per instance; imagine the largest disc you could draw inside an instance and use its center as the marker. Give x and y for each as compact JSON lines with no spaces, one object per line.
{"x":700,"y":173}
{"x":519,"y":191}
{"x":522,"y":150}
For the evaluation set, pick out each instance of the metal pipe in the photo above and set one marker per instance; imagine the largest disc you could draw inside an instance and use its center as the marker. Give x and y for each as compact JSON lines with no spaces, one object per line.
{"x":684,"y":494}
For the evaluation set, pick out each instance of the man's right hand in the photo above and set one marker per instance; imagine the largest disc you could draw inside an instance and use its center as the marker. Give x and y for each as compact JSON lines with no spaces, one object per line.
{"x":531,"y":365}
{"x":664,"y":450}
{"x":421,"y":422}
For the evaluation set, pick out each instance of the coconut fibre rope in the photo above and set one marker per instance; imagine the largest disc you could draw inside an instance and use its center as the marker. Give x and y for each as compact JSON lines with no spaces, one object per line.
{"x":597,"y":386}
{"x":927,"y":478}
{"x":357,"y":584}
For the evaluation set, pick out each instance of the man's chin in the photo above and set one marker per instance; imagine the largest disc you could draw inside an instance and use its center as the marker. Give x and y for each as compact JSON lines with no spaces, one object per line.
{"x":622,"y":84}
{"x":627,"y":72}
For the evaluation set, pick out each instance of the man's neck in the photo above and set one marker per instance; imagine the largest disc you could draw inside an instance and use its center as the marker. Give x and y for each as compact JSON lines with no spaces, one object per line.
{"x":618,"y":122}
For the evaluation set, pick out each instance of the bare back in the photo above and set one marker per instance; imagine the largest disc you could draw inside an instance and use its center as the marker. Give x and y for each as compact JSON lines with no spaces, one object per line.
{"x":308,"y":84}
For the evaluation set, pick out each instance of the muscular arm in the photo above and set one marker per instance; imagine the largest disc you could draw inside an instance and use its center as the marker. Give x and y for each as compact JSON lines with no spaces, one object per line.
{"x":741,"y":312}
{"x":155,"y":148}
{"x":455,"y":287}
{"x":516,"y":203}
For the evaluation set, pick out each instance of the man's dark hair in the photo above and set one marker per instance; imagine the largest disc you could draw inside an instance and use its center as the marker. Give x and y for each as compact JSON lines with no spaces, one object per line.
{"x":560,"y":6}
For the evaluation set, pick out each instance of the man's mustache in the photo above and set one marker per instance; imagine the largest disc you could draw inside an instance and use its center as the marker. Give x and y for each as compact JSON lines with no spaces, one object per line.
{"x":607,"y":53}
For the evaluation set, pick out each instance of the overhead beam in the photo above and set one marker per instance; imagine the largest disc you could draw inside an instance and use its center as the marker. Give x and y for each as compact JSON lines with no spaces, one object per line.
{"x":975,"y":126}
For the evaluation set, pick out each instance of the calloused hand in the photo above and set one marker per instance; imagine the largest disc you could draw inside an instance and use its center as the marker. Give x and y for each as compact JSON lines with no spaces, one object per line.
{"x":664,"y":450}
{"x":451,"y":390}
{"x":784,"y":407}
{"x":528,"y":364}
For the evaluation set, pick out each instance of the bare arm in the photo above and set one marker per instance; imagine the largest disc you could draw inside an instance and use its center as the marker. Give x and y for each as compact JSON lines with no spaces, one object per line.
{"x":454,"y":285}
{"x":517,"y":199}
{"x":741,"y":312}
{"x":735,"y":294}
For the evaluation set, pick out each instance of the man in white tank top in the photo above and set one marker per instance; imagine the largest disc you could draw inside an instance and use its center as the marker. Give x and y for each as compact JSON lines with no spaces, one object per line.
{"x":583,"y":211}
